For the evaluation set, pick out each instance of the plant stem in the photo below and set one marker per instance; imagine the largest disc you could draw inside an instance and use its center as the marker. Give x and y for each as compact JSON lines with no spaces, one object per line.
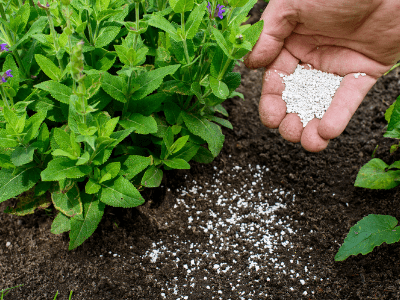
{"x":20,"y":64}
{"x":55,"y":41}
{"x":223,"y":71}
{"x":128,"y":96}
{"x":4,"y":96}
{"x":184,"y":38}
{"x":90,"y":29}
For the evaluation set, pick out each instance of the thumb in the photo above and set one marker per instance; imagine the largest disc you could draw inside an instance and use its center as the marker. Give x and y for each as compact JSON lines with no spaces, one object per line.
{"x":279,"y":22}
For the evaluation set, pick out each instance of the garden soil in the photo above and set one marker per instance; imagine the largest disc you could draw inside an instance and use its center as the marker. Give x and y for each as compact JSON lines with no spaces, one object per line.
{"x":263,"y":221}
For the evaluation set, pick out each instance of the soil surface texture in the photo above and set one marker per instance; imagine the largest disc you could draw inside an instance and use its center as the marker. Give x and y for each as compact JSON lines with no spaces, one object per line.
{"x":263,"y":221}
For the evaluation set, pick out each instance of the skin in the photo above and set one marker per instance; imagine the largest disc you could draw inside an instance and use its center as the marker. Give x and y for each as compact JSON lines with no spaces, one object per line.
{"x":343,"y":37}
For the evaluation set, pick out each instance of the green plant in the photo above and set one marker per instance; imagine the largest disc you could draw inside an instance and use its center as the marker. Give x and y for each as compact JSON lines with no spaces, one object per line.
{"x":373,"y":230}
{"x":98,"y":97}
{"x":6,"y":291}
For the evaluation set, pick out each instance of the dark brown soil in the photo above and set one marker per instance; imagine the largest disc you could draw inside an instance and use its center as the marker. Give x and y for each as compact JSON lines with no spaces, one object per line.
{"x":116,"y":262}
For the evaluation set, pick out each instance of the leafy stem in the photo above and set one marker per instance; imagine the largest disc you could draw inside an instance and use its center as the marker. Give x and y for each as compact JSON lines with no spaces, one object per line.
{"x":4,"y":96}
{"x":55,"y":40}
{"x":185,"y":48}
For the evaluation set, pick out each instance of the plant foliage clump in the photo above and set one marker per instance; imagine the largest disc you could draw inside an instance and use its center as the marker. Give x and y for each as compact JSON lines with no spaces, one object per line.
{"x":98,"y":97}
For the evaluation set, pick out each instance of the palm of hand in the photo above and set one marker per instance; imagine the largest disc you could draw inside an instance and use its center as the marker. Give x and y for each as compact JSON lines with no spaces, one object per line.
{"x":329,"y":38}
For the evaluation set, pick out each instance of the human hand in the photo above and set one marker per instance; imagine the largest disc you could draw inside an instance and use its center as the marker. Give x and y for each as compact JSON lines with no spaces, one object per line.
{"x":343,"y":37}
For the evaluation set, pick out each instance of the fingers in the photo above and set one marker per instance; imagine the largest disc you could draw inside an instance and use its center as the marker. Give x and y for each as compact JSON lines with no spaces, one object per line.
{"x":272,"y":108}
{"x":344,"y":104}
{"x":279,"y":22}
{"x":310,"y":138}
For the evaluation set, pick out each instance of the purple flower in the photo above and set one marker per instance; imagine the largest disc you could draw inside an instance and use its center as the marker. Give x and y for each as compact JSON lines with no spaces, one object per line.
{"x":3,"y":79}
{"x":3,"y":47}
{"x":209,"y":8}
{"x":221,"y":10}
{"x":8,"y":73}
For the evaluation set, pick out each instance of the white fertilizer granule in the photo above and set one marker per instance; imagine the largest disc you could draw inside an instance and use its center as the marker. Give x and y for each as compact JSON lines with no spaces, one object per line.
{"x":309,"y":93}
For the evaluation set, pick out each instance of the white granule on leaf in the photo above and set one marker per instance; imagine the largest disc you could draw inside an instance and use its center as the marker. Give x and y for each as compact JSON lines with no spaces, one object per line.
{"x":309,"y":93}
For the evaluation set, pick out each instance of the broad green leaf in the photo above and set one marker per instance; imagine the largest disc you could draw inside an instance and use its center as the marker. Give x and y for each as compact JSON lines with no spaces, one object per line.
{"x":395,"y":116}
{"x":115,"y":86}
{"x":48,"y":67}
{"x":105,"y":14}
{"x":133,"y":165}
{"x":371,"y":231}
{"x":58,"y":90}
{"x":120,"y":192}
{"x":140,"y":124}
{"x":36,"y":27}
{"x":205,"y":129}
{"x":222,"y":42}
{"x":162,"y":23}
{"x":5,"y":161}
{"x":221,"y":121}
{"x":203,"y":156}
{"x":92,"y":187}
{"x":237,"y":3}
{"x":83,"y":227}
{"x":83,"y":159}
{"x":122,"y":53}
{"x":373,"y":175}
{"x":22,"y":155}
{"x":109,"y":127}
{"x":180,"y":6}
{"x":148,"y":82}
{"x":18,"y":23}
{"x":63,"y":167}
{"x":28,"y":203}
{"x":7,"y":141}
{"x":59,"y":152}
{"x":195,"y":19}
{"x":239,"y":14}
{"x":219,"y":88}
{"x":32,"y":126}
{"x":16,"y":122}
{"x":179,"y":143}
{"x":12,"y":185}
{"x":110,"y":171}
{"x":63,"y":140}
{"x":176,"y":163}
{"x":152,"y":177}
{"x":106,"y":36}
{"x":187,"y":152}
{"x":69,"y":203}
{"x":61,"y":223}
{"x":388,"y":112}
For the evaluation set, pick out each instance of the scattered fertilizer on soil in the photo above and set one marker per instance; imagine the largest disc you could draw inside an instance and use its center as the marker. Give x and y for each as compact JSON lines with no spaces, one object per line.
{"x":309,"y":93}
{"x":244,"y":240}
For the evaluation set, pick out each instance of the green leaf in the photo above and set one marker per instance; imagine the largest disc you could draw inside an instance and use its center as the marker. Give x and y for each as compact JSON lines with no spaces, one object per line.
{"x":205,"y":129}
{"x":115,"y":86}
{"x":195,"y":19}
{"x":12,"y":185}
{"x":373,"y":175}
{"x":61,"y":223}
{"x":36,"y":27}
{"x":48,"y":67}
{"x":110,"y":171}
{"x":371,"y":231}
{"x":106,"y":36}
{"x":18,"y":23}
{"x":179,"y":143}
{"x":133,"y":165}
{"x":203,"y":156}
{"x":162,"y":23}
{"x":5,"y":161}
{"x":28,"y":203}
{"x":120,"y":192}
{"x":32,"y":126}
{"x":187,"y":152}
{"x":83,"y":227}
{"x":140,"y":124}
{"x":17,"y":123}
{"x":69,"y":203}
{"x":63,"y":167}
{"x":176,"y":163}
{"x":22,"y":155}
{"x":92,"y":187}
{"x":180,"y":6}
{"x":148,"y":82}
{"x":7,"y":141}
{"x":152,"y":177}
{"x":395,"y":116}
{"x":388,"y":112}
{"x":58,"y":90}
{"x":237,"y":3}
{"x":219,"y":88}
{"x":221,"y":121}
{"x":222,"y":42}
